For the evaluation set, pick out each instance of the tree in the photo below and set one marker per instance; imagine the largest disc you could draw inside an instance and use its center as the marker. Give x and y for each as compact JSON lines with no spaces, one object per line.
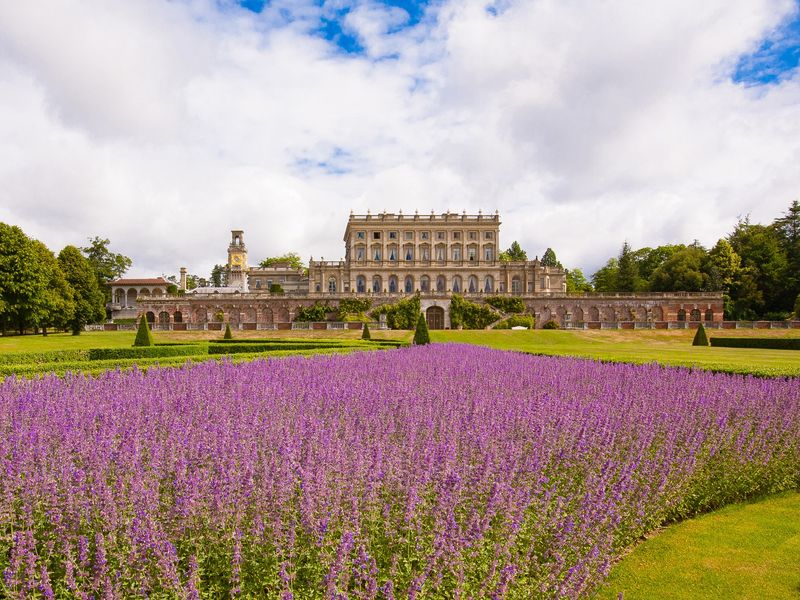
{"x":682,"y":272}
{"x":515,"y":252}
{"x":577,"y":282}
{"x":765,"y":262}
{"x":649,"y":259}
{"x":143,"y":335}
{"x":107,"y":265}
{"x":549,"y":259}
{"x":628,"y":276}
{"x":722,"y":266}
{"x":605,"y":278}
{"x":33,"y":289}
{"x":227,"y":335}
{"x":218,"y":276}
{"x":365,"y":335}
{"x":291,"y":258}
{"x":421,"y":335}
{"x":788,"y":230}
{"x":89,"y":299}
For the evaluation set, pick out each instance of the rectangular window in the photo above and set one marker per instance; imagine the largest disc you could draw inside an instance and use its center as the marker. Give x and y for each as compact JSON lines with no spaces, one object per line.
{"x":392,"y":235}
{"x":440,"y":235}
{"x":473,"y":235}
{"x":258,"y":284}
{"x":360,"y":235}
{"x":376,"y":235}
{"x":487,"y":235}
{"x":409,"y":235}
{"x":456,"y":235}
{"x":424,"y":235}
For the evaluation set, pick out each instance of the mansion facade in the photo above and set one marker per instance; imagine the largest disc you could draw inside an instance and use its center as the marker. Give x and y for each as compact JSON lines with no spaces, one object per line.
{"x":389,"y":256}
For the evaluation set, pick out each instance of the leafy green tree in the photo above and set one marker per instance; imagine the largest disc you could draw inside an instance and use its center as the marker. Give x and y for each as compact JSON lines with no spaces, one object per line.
{"x":797,"y":307}
{"x":722,"y":266}
{"x":649,"y":259}
{"x":218,"y":276}
{"x":107,"y":265}
{"x":549,"y":259}
{"x":764,"y":260}
{"x":89,"y":299}
{"x":515,"y":252}
{"x":788,"y":230}
{"x":55,"y":304}
{"x":682,"y":272}
{"x":606,"y":278}
{"x":421,"y":335}
{"x":628,"y":277}
{"x":143,"y":335}
{"x":577,"y":282}
{"x":291,"y":258}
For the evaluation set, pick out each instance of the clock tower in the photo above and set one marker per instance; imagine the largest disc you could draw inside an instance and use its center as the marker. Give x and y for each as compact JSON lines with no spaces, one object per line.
{"x":237,"y":261}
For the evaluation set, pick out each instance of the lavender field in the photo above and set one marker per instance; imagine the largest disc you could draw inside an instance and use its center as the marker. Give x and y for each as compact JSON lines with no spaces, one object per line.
{"x":443,"y":471}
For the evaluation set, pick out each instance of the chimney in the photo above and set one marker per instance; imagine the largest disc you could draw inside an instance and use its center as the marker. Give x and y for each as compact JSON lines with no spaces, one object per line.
{"x":183,"y":279}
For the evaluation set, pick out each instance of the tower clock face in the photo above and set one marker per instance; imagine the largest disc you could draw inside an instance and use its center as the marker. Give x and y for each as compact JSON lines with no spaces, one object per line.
{"x":237,"y":260}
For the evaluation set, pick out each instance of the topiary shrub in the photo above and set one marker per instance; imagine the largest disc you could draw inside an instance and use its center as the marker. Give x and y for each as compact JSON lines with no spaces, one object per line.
{"x":700,"y":338}
{"x":228,"y":335}
{"x":421,"y":335}
{"x":551,"y":325}
{"x":143,"y":335}
{"x":365,"y":332}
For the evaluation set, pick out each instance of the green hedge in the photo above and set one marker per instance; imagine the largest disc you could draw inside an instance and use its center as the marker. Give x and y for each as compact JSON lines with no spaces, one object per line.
{"x":279,"y":341}
{"x":400,"y":315}
{"x":470,"y":315}
{"x":506,"y":304}
{"x":144,"y":352}
{"x":49,"y":356}
{"x":517,"y":321}
{"x":762,"y":343}
{"x":271,"y":347}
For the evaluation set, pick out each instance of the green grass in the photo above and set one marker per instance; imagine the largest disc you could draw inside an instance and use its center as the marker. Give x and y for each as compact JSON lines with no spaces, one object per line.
{"x":671,"y":347}
{"x":67,"y":341}
{"x":749,"y":550}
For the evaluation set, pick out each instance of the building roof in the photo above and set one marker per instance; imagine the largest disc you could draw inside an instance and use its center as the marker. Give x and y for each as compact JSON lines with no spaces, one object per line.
{"x":144,"y":281}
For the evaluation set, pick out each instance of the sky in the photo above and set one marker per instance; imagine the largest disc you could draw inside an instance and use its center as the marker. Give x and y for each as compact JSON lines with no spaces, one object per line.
{"x":162,"y":125}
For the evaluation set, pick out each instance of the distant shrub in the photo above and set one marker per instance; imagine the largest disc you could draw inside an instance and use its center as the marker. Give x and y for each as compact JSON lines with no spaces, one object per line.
{"x":352,"y":306}
{"x":276,"y":288}
{"x":317,"y":312}
{"x":471,"y":315}
{"x":700,"y":338}
{"x":130,"y":321}
{"x":143,"y":335}
{"x":400,"y":315}
{"x":517,"y":321}
{"x":365,"y":332}
{"x":421,"y":335}
{"x":551,"y":324}
{"x":506,"y":304}
{"x":228,"y":335}
{"x":762,"y":343}
{"x":777,"y":316}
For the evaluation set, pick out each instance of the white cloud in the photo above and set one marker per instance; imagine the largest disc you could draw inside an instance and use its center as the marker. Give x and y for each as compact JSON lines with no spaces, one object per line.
{"x":163,"y":125}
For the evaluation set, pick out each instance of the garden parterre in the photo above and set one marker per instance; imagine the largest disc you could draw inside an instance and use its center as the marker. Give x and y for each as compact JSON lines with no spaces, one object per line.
{"x":428,"y":472}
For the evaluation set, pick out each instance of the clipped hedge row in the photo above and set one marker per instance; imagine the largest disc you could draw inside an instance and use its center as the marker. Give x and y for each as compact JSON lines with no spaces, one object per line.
{"x":272,"y":347}
{"x":762,"y":343}
{"x":276,"y":341}
{"x":145,"y":352}
{"x":517,"y":321}
{"x":48,"y":356}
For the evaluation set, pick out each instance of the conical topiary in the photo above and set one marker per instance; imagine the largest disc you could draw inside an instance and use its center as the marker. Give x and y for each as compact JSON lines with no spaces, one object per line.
{"x":143,"y":335}
{"x":700,"y":338}
{"x":421,"y":335}
{"x":228,"y":335}
{"x":365,"y":332}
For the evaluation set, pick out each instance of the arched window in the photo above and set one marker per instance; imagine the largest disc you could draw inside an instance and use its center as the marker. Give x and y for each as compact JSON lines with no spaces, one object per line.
{"x":694,"y":315}
{"x":441,"y":283}
{"x":361,"y":284}
{"x":163,"y":318}
{"x":457,"y":284}
{"x":409,"y":253}
{"x":709,"y":315}
{"x":473,"y":284}
{"x":151,"y":317}
{"x":681,"y":315}
{"x":392,"y":252}
{"x":376,"y":284}
{"x":332,"y":285}
{"x":425,"y":283}
{"x":409,"y":284}
{"x":178,"y":316}
{"x":488,"y":284}
{"x":393,"y":284}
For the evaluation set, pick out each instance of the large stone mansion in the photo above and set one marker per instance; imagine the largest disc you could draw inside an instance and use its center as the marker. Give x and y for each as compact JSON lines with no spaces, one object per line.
{"x":391,"y":255}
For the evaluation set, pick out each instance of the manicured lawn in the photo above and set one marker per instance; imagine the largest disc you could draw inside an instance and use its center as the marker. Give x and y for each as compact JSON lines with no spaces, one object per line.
{"x":742,"y":551}
{"x":672,"y":347}
{"x":67,"y":341}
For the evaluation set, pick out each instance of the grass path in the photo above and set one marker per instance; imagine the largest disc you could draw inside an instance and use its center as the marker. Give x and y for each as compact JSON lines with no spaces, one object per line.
{"x":749,"y":550}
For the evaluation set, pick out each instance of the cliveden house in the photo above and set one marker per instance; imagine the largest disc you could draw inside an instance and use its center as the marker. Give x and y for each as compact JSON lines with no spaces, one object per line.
{"x":390,"y":256}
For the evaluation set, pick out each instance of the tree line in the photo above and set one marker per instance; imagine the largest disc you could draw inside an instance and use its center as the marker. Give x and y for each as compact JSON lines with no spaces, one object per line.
{"x":756,"y":267}
{"x":39,"y":290}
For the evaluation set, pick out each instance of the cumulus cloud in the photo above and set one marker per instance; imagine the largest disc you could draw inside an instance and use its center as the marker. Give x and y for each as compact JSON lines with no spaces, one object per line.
{"x":163,"y":125}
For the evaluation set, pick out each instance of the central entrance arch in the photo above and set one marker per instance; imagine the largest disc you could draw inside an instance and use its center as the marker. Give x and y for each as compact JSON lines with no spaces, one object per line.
{"x":435,"y":317}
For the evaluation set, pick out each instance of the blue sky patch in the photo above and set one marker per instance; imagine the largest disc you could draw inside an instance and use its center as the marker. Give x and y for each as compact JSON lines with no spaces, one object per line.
{"x":776,"y":58}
